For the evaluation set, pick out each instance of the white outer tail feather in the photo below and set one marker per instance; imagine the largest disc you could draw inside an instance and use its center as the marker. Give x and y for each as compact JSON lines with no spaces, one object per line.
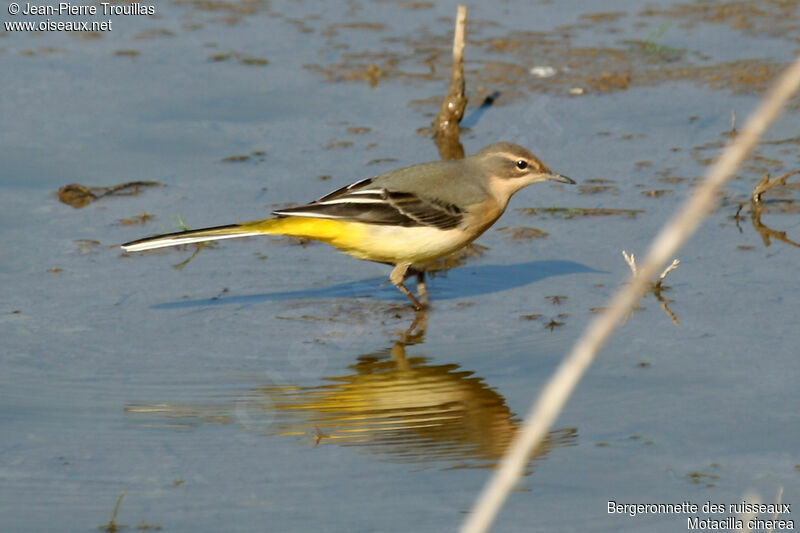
{"x":177,"y":240}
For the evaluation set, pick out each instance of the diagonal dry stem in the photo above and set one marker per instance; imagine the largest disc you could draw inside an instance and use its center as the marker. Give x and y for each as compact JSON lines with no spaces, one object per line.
{"x":556,"y":392}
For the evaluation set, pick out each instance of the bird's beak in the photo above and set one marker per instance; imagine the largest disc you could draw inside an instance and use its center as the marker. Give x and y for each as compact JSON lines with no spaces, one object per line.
{"x":559,"y":178}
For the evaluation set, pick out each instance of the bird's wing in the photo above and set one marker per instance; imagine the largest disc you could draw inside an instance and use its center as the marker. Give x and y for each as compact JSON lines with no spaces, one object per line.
{"x":378,"y":205}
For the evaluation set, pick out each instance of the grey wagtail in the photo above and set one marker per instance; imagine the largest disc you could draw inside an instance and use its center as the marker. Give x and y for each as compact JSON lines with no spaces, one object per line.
{"x":404,"y":218}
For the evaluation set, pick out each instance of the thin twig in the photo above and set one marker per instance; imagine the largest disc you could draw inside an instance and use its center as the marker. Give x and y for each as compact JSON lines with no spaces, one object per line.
{"x":631,"y":260}
{"x":672,"y":266}
{"x":558,"y":389}
{"x":757,"y":208}
{"x":446,"y":128}
{"x":766,"y":184}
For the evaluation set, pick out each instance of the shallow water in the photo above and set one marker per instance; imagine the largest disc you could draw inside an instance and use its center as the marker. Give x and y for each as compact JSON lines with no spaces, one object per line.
{"x":275,"y":386}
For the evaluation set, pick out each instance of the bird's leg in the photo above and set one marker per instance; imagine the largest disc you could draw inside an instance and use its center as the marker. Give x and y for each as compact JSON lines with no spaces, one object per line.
{"x":397,"y":277}
{"x":422,"y":290}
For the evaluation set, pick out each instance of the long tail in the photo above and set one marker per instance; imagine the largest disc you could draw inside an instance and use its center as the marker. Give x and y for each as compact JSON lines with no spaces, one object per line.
{"x":231,"y":231}
{"x":341,"y":234}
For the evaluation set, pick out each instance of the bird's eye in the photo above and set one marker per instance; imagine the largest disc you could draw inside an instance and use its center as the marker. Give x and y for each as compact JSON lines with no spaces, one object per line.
{"x":522,"y":164}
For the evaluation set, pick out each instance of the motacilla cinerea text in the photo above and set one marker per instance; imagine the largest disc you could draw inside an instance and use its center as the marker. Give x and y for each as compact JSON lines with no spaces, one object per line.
{"x":405,"y":217}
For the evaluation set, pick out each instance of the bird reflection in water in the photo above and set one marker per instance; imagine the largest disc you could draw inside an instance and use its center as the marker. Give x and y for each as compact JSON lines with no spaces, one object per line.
{"x":401,"y":407}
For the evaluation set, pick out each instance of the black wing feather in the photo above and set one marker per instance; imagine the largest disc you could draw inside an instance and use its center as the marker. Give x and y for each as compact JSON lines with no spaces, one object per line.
{"x":344,"y":190}
{"x":428,"y":212}
{"x":359,"y":203}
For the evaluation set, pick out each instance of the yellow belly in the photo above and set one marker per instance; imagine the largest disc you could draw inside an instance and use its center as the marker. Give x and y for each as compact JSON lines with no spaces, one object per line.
{"x":382,"y":243}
